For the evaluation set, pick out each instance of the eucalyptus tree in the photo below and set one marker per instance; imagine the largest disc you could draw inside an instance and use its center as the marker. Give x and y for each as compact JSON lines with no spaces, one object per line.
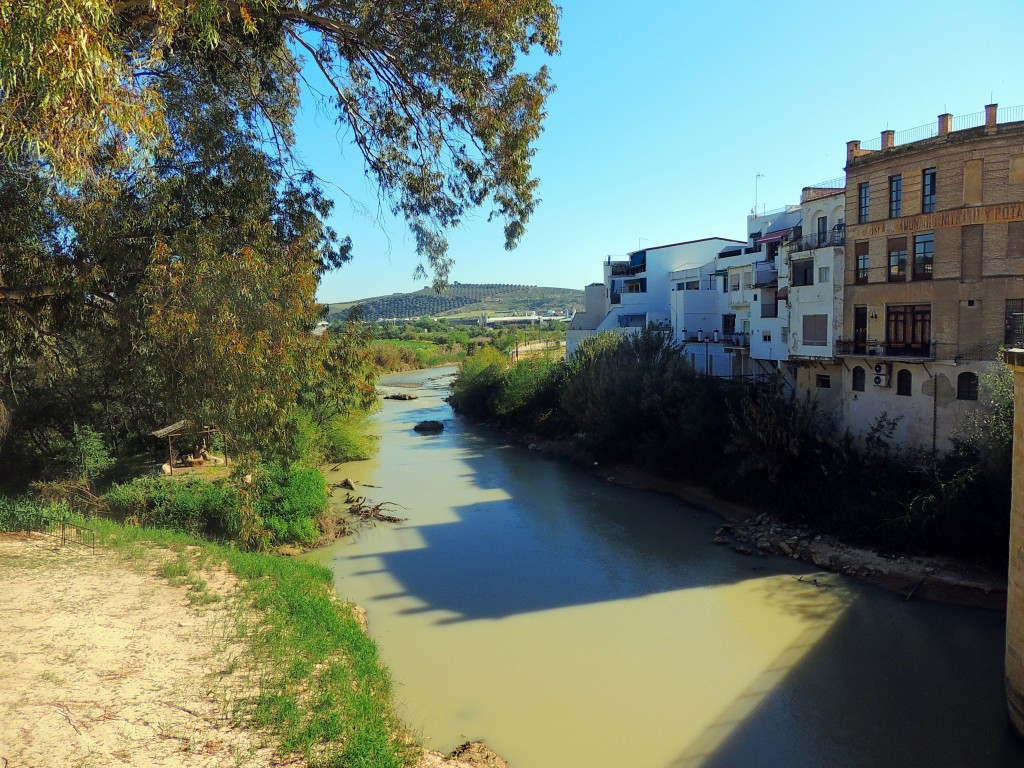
{"x":158,"y":241}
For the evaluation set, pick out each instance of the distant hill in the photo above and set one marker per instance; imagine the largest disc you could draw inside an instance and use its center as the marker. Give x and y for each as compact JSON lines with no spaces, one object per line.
{"x":463,"y":298}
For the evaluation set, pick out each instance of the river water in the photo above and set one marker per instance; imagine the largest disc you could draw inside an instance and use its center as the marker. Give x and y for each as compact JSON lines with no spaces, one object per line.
{"x":570,"y":622}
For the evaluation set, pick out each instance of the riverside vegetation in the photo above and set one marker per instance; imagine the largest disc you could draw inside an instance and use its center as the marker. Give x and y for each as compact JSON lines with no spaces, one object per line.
{"x":430,"y":342}
{"x":635,"y":399}
{"x":162,"y":244}
{"x":316,"y":685}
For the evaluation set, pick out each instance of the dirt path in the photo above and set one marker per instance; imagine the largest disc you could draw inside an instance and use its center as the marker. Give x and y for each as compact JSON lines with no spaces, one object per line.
{"x":104,"y":663}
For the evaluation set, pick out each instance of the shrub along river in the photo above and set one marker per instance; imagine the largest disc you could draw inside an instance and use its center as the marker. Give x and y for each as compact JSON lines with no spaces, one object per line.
{"x":570,"y":622}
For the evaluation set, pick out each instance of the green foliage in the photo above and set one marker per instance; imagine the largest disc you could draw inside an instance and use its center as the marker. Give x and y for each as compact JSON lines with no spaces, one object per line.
{"x":186,"y":504}
{"x":322,"y":688}
{"x":277,"y":505}
{"x":988,"y":429}
{"x":478,"y":382}
{"x":774,"y":436}
{"x":87,"y":454}
{"x":441,"y":107}
{"x":347,"y":439}
{"x":399,"y":355}
{"x":20,"y":514}
{"x":529,"y":389}
{"x":161,"y":248}
{"x":634,"y":397}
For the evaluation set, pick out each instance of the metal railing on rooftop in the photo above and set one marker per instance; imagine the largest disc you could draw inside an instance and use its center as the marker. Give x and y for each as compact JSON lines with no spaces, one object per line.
{"x":958,"y":123}
{"x":973,"y":120}
{"x":1010,"y":114}
{"x":837,"y":183}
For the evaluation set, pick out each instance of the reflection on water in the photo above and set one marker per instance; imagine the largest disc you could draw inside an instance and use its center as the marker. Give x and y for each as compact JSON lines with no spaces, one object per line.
{"x":570,"y":622}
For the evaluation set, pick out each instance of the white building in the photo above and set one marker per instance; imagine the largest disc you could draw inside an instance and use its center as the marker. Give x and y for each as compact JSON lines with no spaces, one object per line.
{"x":811,"y":279}
{"x":584,"y":324}
{"x":638,"y":288}
{"x":727,"y":311}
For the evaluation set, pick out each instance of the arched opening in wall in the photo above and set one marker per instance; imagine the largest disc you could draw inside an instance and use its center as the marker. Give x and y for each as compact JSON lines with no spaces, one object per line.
{"x":859,"y":377}
{"x":904,"y":382}
{"x":967,"y":386}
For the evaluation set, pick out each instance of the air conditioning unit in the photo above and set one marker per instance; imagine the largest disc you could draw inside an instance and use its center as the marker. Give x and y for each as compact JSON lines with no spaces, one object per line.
{"x":882,"y":374}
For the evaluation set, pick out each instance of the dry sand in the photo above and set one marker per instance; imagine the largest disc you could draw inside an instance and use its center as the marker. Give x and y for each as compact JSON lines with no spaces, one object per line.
{"x":105,"y":663}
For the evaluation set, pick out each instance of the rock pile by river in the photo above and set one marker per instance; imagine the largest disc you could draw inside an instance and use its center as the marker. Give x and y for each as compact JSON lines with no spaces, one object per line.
{"x":931,"y":578}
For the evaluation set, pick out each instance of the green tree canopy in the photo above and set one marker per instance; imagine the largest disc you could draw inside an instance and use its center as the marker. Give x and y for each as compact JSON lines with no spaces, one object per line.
{"x":160,"y":248}
{"x":429,"y":93}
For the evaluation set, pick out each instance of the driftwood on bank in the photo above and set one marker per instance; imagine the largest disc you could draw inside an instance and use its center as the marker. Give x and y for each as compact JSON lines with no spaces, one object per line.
{"x":358,"y":506}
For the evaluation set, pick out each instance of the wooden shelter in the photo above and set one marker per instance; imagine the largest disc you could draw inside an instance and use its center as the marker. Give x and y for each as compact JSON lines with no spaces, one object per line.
{"x":177,"y":429}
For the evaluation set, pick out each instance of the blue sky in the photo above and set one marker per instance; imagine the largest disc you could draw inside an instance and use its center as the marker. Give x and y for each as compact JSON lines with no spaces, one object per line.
{"x":665,"y":112}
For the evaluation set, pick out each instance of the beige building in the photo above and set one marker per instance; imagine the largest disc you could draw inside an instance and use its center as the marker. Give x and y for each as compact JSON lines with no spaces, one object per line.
{"x":934,"y":275}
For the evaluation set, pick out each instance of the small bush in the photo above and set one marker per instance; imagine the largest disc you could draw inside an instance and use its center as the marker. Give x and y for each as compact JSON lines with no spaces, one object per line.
{"x":189,"y":504}
{"x":529,"y":386}
{"x":87,"y":455}
{"x":478,"y":382}
{"x":19,"y":514}
{"x":346,"y":439}
{"x":280,"y":505}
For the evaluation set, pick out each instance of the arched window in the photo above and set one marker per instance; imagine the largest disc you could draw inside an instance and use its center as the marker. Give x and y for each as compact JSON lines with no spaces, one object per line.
{"x":858,"y":379}
{"x":967,"y":386}
{"x":904,"y":382}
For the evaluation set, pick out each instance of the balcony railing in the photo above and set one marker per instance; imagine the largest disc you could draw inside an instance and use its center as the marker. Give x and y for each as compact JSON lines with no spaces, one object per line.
{"x":623,"y":269}
{"x":885,"y":349}
{"x":765,"y":273}
{"x":834,"y":237}
{"x":736,"y":339}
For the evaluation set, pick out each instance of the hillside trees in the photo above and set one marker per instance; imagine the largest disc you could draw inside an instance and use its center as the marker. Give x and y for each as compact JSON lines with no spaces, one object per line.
{"x":159,"y":248}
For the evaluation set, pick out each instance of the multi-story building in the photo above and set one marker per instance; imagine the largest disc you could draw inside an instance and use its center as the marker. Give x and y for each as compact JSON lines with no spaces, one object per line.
{"x":727,"y":311}
{"x":638,"y":289}
{"x":811,"y":283}
{"x":934,"y":275}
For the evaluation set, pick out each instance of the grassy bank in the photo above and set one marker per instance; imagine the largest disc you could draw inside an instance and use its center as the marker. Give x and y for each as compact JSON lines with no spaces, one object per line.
{"x":316,"y":687}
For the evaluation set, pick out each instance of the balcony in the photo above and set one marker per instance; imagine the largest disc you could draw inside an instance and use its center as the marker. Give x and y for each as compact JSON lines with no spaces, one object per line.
{"x":740,"y":297}
{"x":766,"y":273}
{"x":736,"y":340}
{"x":625,"y":269}
{"x":834,"y":237}
{"x":883,"y":349}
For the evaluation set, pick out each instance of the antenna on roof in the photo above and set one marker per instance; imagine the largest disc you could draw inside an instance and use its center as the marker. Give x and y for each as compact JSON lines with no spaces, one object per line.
{"x":758,"y":176}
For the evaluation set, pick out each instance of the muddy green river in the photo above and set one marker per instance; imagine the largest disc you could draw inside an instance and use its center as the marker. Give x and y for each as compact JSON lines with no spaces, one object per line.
{"x":570,"y":622}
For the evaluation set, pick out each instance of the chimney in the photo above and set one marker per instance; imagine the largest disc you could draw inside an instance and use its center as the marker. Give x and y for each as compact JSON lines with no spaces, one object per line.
{"x":991,"y":115}
{"x":945,"y":124}
{"x":852,"y":150}
{"x":888,"y":139}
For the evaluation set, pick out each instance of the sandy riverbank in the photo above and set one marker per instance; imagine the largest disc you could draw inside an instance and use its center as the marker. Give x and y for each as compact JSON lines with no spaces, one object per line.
{"x":106,"y":663}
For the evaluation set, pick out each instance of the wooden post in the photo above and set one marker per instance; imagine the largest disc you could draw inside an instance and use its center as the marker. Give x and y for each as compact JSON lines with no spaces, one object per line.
{"x":170,"y":461}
